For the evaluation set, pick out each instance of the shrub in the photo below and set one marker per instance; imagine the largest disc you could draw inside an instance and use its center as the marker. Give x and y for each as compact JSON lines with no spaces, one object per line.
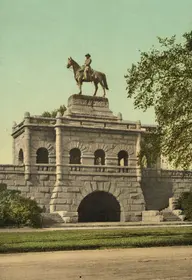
{"x":185,"y":204}
{"x":3,"y":187}
{"x":5,"y":197}
{"x":18,"y":210}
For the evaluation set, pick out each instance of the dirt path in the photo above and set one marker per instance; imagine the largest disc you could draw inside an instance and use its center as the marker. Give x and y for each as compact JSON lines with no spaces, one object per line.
{"x":147,"y":264}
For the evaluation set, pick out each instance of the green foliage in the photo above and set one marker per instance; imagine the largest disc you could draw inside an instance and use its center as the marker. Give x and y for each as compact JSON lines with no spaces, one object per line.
{"x":94,"y":239}
{"x":162,"y":79}
{"x":18,"y":210}
{"x":53,"y":113}
{"x":3,"y":187}
{"x":185,"y":204}
{"x":150,"y":149}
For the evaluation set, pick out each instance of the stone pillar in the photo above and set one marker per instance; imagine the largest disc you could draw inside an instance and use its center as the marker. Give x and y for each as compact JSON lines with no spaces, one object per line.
{"x":88,"y":159}
{"x":59,"y":159}
{"x":111,"y":160}
{"x":138,"y":149}
{"x":13,"y":145}
{"x":172,"y":203}
{"x":27,"y":146}
{"x":66,"y":157}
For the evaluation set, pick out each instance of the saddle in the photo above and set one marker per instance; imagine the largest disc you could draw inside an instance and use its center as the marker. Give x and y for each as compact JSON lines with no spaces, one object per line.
{"x":90,"y":74}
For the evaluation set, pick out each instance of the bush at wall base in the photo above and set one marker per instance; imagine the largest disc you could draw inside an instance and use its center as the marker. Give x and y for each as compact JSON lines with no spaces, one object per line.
{"x":16,"y":210}
{"x":185,"y":204}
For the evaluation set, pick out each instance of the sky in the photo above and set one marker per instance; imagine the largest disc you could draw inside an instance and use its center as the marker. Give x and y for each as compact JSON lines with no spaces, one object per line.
{"x":37,"y":37}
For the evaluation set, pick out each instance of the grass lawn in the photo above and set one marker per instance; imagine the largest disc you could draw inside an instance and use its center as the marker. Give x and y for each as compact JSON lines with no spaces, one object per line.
{"x":11,"y":242}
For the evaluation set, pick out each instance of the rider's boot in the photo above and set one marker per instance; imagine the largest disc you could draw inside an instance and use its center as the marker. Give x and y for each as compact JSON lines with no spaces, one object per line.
{"x":85,"y":77}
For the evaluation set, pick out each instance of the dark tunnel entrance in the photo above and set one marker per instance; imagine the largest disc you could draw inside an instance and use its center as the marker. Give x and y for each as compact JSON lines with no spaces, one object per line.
{"x":99,"y":206}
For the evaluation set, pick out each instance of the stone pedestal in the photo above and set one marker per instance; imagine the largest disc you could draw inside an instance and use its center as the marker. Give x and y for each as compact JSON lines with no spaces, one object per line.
{"x":83,"y":106}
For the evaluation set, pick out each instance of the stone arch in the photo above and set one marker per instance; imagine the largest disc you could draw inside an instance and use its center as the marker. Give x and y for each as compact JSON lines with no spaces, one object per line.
{"x":75,"y":156}
{"x":48,"y":146}
{"x":50,"y":149}
{"x":21,"y":157}
{"x":130,"y":149}
{"x":99,"y":157}
{"x":123,"y":158}
{"x":42,"y":156}
{"x":100,"y":146}
{"x":99,"y":206}
{"x":75,"y":144}
{"x":108,"y":187}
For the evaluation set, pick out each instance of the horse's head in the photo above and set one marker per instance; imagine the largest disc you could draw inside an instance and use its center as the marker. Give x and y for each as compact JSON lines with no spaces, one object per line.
{"x":70,"y":62}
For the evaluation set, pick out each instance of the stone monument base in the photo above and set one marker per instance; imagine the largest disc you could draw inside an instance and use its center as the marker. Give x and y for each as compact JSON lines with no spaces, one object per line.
{"x":90,"y":107}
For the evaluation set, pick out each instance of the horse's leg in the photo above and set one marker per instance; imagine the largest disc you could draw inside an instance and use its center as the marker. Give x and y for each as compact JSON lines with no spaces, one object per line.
{"x":80,"y":87}
{"x":96,"y":87}
{"x":104,"y":93}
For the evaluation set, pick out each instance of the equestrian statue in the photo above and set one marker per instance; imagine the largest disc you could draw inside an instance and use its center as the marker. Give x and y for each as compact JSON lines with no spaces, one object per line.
{"x":87,"y":74}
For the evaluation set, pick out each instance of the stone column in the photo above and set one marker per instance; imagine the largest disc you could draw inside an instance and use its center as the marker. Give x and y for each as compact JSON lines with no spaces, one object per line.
{"x":59,"y":161}
{"x":13,"y":145}
{"x":27,"y":146}
{"x":111,"y":160}
{"x":138,"y":149}
{"x":88,"y":159}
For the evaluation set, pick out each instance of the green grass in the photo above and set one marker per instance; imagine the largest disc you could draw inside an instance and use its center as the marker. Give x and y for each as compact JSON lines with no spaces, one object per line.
{"x":11,"y":242}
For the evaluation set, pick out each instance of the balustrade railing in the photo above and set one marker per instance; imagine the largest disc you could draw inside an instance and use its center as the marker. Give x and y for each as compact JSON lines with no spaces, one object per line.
{"x":176,"y":173}
{"x":8,"y":168}
{"x":42,"y":120}
{"x":149,"y":172}
{"x":102,"y":169}
{"x":51,"y":168}
{"x":45,"y":167}
{"x":107,"y":124}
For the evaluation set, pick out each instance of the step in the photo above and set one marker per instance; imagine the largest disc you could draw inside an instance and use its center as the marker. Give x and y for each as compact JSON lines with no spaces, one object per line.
{"x":169,"y":216}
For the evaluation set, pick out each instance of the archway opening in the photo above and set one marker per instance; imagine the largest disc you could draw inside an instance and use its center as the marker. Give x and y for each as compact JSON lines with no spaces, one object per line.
{"x":75,"y":156}
{"x":99,"y":206}
{"x":42,"y":155}
{"x":123,"y":158}
{"x":21,"y":157}
{"x":99,"y":157}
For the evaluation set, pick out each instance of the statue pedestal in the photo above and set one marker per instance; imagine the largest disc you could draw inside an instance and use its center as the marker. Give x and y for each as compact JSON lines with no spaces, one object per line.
{"x":90,"y":107}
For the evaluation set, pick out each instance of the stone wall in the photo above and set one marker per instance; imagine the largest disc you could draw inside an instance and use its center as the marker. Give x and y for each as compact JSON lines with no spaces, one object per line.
{"x":40,"y":136}
{"x":43,"y":137}
{"x":153,"y":193}
{"x":160,"y":185}
{"x":18,"y":143}
{"x":90,"y":140}
{"x":39,"y":187}
{"x":61,"y":187}
{"x":82,"y":181}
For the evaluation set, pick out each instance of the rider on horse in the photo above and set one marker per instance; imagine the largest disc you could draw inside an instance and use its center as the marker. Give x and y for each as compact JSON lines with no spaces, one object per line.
{"x":89,"y":74}
{"x":86,"y":67}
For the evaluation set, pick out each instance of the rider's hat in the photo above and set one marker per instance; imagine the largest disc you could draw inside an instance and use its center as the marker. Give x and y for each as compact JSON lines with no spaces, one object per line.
{"x":87,"y":55}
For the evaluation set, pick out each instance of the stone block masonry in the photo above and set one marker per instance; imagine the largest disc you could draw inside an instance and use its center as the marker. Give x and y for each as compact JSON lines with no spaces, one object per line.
{"x":83,"y":165}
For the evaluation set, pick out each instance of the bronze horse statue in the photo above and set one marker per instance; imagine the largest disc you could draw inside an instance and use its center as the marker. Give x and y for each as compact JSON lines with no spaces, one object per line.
{"x":95,"y":77}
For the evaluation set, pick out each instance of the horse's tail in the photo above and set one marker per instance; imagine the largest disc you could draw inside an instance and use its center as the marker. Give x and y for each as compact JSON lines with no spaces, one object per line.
{"x":105,"y":81}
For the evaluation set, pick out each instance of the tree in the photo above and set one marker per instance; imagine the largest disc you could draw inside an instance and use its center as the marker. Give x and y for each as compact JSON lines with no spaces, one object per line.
{"x":150,"y":149}
{"x":162,"y":79}
{"x":53,"y":113}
